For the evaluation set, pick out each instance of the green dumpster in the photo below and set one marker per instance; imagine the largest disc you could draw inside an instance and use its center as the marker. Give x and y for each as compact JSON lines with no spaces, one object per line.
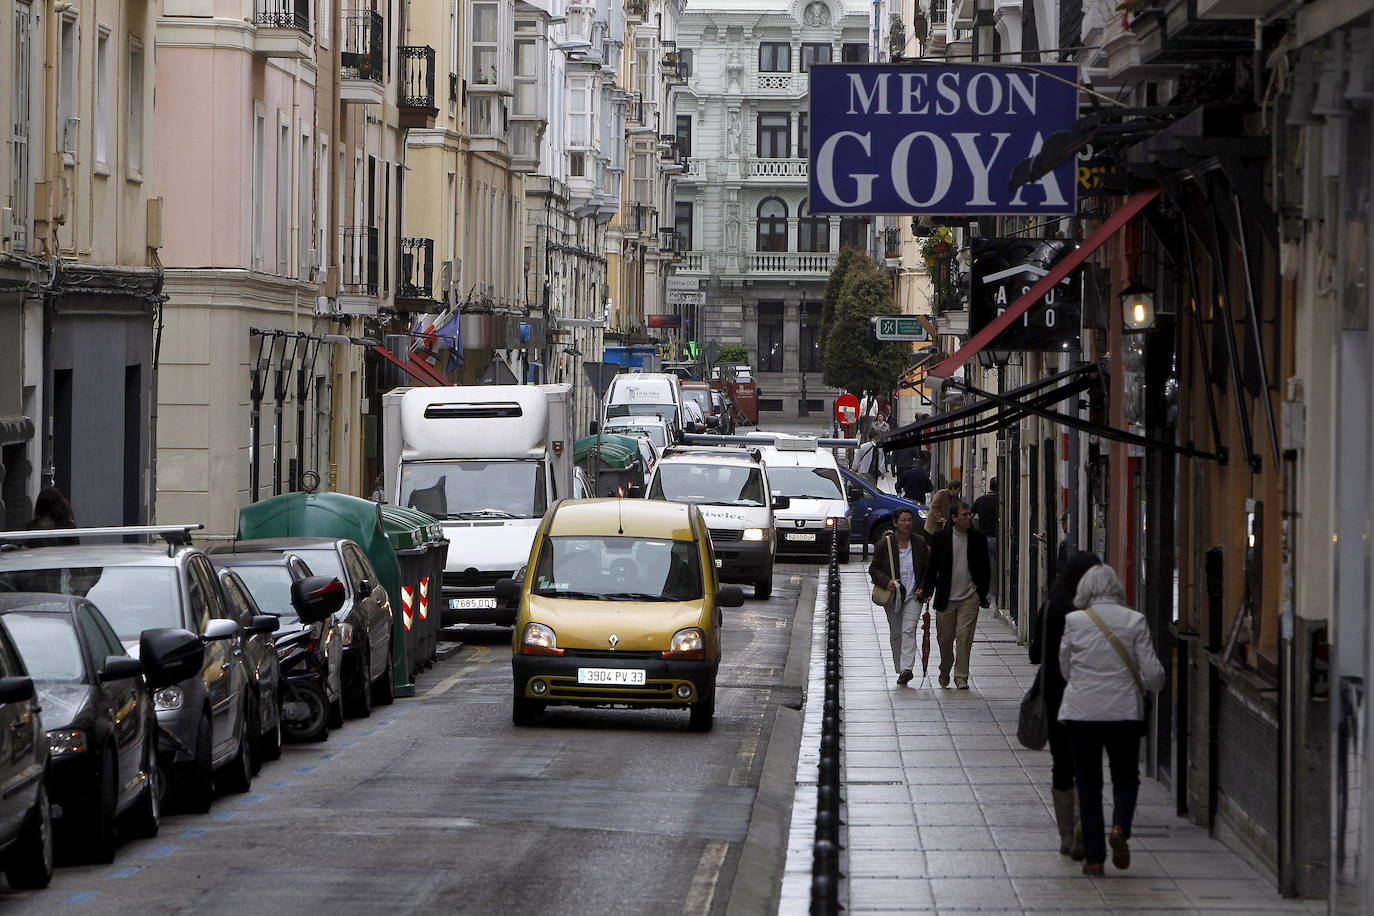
{"x":334,"y":515}
{"x":613,"y":463}
{"x":421,"y":551}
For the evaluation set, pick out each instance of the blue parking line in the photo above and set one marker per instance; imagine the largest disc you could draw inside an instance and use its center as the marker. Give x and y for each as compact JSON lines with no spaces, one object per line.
{"x":223,"y":815}
{"x":384,"y":722}
{"x":81,"y":897}
{"x":330,"y":756}
{"x":367,"y":734}
{"x":253,"y":799}
{"x":162,"y":852}
{"x":307,"y":769}
{"x":281,"y":783}
{"x":124,"y":872}
{"x":194,"y":832}
{"x":347,"y":744}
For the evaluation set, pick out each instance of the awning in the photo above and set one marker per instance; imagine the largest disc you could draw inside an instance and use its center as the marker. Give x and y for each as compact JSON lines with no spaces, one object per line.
{"x":416,"y":369}
{"x":1046,"y":283}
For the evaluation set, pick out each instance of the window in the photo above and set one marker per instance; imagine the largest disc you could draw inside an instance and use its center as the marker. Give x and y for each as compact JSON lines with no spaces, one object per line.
{"x":20,"y":186}
{"x":102,"y":645}
{"x":483,"y":115}
{"x":259,"y":195}
{"x":485,"y":42}
{"x":304,"y":208}
{"x":322,"y":23}
{"x":854,"y":52}
{"x":809,"y":349}
{"x":104,"y":85}
{"x":813,"y":232}
{"x":322,"y":196}
{"x":600,"y":567}
{"x":803,"y":134}
{"x":772,"y":139}
{"x":685,"y":56}
{"x":580,"y":111}
{"x":283,"y":199}
{"x":772,"y":232}
{"x":854,"y":232}
{"x":577,"y":165}
{"x":775,"y":57}
{"x":682,"y":223}
{"x":68,"y":89}
{"x":684,"y":135}
{"x":816,"y":52}
{"x":770,"y":336}
{"x":527,"y":96}
{"x":135,"y":150}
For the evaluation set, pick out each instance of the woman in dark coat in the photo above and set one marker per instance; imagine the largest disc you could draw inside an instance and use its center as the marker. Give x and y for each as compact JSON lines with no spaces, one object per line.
{"x":1047,"y":632}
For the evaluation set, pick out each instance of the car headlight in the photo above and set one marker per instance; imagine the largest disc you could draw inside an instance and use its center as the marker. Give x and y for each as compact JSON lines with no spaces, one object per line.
{"x":688,"y":643}
{"x":537,"y":639}
{"x":837,"y":521}
{"x":63,"y":742}
{"x":756,"y":534}
{"x":167,"y":698}
{"x":346,"y":633}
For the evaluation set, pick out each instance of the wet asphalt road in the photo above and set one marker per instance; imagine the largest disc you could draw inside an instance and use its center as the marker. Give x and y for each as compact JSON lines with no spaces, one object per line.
{"x":439,"y":804}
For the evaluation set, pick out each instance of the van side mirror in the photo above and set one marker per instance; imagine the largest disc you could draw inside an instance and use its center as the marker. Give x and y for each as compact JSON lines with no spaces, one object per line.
{"x":169,"y":655}
{"x":782,"y":502}
{"x":508,"y":591}
{"x":729,"y":596}
{"x":316,"y":597}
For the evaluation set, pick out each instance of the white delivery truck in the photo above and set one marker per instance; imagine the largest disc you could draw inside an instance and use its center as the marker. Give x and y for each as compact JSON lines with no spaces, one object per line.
{"x":486,"y":461}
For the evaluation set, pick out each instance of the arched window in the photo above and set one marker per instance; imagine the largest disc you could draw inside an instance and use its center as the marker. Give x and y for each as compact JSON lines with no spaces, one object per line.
{"x":813,"y":232}
{"x":772,"y":234}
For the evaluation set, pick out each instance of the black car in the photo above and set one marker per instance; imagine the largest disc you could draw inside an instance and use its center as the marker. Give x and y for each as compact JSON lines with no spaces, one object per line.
{"x":260,"y":654}
{"x":100,"y":721}
{"x":365,"y":620}
{"x":26,"y":851}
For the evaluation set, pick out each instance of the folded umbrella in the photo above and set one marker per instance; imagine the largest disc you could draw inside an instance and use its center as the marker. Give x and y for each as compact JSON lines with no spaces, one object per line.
{"x":925,"y":642}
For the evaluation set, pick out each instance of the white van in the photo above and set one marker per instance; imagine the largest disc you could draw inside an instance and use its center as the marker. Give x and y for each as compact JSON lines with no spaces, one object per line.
{"x":809,"y":477}
{"x":730,"y":487}
{"x":644,"y":394}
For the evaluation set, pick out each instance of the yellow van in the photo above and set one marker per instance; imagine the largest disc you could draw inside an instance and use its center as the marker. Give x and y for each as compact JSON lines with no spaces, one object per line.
{"x":619,"y":606}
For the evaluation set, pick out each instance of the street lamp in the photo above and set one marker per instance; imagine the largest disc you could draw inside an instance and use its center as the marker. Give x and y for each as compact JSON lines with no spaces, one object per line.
{"x":1137,"y":307}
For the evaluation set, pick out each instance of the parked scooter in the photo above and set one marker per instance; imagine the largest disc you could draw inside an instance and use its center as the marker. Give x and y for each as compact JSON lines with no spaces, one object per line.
{"x":304,"y":700}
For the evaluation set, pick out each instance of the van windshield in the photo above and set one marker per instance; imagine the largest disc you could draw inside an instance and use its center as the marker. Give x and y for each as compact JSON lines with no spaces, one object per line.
{"x":132,"y":598}
{"x":474,"y":489}
{"x":701,"y":397}
{"x":710,"y":484}
{"x":805,"y":483}
{"x":618,"y":569}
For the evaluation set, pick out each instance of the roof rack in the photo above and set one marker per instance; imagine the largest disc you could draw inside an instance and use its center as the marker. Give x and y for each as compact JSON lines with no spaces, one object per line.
{"x":174,"y":535}
{"x":780,"y":442}
{"x":718,"y":451}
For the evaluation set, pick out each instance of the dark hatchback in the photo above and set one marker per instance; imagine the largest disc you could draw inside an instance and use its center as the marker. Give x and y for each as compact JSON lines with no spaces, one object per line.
{"x":259,"y":649}
{"x":100,"y":721}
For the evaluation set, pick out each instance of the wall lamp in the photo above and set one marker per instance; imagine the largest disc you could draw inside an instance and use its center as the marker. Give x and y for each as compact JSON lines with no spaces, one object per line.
{"x":1137,"y":307}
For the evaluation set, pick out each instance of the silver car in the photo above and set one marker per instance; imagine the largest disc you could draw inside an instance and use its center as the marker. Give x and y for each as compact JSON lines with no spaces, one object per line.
{"x":204,"y":721}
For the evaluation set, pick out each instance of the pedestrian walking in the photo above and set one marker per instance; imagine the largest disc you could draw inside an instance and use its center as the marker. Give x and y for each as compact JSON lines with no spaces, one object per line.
{"x":957,"y":579}
{"x":1109,"y":664}
{"x":868,"y":462}
{"x":914,"y":484}
{"x":899,"y":564}
{"x":51,"y":511}
{"x":1046,"y":635}
{"x":944,"y":500}
{"x":985,"y":520}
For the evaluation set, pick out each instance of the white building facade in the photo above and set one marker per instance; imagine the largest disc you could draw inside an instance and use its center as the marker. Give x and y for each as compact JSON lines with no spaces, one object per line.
{"x":740,"y":211}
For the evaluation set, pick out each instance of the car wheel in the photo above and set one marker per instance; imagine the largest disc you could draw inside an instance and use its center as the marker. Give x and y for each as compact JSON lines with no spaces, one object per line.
{"x":196,"y":778}
{"x":383,"y":689}
{"x":29,"y":864}
{"x":314,"y":725}
{"x":525,"y":712}
{"x":145,"y":817}
{"x":703,"y":713}
{"x":336,"y":712}
{"x":236,"y":776}
{"x":763,"y":588}
{"x":360,"y":701}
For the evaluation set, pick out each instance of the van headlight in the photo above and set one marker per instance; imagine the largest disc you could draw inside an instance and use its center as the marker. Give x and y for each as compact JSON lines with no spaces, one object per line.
{"x":688,"y":643}
{"x":756,"y":534}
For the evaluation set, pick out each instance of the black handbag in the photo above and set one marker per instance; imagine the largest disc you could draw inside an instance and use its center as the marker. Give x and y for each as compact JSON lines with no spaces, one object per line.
{"x":1033,"y":723}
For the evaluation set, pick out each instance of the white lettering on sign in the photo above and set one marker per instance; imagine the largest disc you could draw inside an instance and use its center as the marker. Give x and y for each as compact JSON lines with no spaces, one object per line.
{"x":1049,"y":184}
{"x":982,"y":93}
{"x":825,"y":168}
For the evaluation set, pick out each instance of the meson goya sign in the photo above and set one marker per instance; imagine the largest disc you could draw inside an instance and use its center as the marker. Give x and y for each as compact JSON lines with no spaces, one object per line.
{"x":938,"y":139}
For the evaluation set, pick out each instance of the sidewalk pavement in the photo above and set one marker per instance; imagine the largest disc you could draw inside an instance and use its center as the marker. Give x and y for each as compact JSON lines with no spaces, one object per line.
{"x":947,"y":813}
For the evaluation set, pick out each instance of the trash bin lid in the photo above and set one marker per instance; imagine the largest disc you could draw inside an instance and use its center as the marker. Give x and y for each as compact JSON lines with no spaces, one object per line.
{"x":409,"y":528}
{"x":610,"y":450}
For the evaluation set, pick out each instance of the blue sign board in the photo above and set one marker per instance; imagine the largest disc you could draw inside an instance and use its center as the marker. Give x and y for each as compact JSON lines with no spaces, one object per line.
{"x":941,"y":138}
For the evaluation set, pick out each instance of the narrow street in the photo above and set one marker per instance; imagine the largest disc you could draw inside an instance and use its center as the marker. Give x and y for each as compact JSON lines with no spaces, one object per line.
{"x":439,"y":804}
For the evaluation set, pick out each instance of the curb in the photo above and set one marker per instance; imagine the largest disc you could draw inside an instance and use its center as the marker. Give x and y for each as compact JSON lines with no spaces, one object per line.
{"x":757,"y":885}
{"x":446,"y":650}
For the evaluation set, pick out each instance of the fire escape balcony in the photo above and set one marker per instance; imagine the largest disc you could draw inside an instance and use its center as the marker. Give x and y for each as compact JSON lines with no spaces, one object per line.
{"x":415,"y":293}
{"x":283,"y":29}
{"x":418,"y":107}
{"x":362,"y":59}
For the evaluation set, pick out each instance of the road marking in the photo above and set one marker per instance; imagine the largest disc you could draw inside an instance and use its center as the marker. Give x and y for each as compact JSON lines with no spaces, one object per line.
{"x":384,"y":722}
{"x":81,"y":897}
{"x":447,"y":683}
{"x":281,"y":783}
{"x":194,"y":832}
{"x":253,"y":799}
{"x":307,"y":769}
{"x":162,"y":852}
{"x":124,"y":872}
{"x":347,"y":744}
{"x":223,"y":815}
{"x":703,"y":889}
{"x":366,"y":734}
{"x":328,"y":756}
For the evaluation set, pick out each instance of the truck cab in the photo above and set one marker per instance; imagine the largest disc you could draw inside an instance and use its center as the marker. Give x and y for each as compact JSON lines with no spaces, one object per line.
{"x":486,"y":461}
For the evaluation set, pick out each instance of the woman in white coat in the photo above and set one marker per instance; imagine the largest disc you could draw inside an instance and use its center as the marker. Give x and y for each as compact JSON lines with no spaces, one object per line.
{"x":1109,"y":661}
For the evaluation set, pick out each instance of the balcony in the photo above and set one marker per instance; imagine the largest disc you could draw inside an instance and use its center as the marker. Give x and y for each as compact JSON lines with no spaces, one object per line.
{"x":776,"y":169}
{"x":363,"y":61}
{"x":417,"y":87}
{"x":789,"y":262}
{"x":780,"y":83}
{"x":696,"y":169}
{"x":694,"y":262}
{"x":283,"y":29}
{"x":415,"y":291}
{"x":359,"y":251}
{"x":637,"y":10}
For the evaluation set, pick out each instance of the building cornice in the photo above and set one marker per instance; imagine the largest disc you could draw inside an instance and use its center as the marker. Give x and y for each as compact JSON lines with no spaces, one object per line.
{"x":220,"y":35}
{"x":233,"y":284}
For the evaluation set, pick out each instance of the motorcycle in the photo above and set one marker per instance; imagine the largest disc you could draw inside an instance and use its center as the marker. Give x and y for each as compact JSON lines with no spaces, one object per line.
{"x":304,"y":706}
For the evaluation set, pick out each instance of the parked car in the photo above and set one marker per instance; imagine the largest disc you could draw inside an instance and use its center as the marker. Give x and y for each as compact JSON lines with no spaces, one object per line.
{"x":720,"y":407}
{"x":205,"y":732}
{"x":870,"y":509}
{"x":621,"y":607}
{"x":100,"y":721}
{"x":26,"y":848}
{"x":271,"y":579}
{"x":260,"y":655}
{"x":656,"y":429}
{"x":364,"y":622}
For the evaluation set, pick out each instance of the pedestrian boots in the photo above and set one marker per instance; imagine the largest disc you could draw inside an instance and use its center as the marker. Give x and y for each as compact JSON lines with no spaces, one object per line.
{"x":1066,"y":817}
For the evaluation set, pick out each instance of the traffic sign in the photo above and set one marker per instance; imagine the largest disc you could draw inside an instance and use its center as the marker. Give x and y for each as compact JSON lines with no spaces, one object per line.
{"x":905,"y":328}
{"x":847,"y":409}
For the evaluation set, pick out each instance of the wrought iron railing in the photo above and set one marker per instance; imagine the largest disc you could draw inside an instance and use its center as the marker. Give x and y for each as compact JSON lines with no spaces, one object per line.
{"x":417,"y":76}
{"x":363,"y":54}
{"x":359,"y":259}
{"x":417,"y":269}
{"x":283,"y":14}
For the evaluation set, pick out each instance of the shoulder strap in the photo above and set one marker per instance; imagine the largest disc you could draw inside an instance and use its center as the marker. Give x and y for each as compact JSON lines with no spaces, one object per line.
{"x":892,"y":557}
{"x":1120,"y":649}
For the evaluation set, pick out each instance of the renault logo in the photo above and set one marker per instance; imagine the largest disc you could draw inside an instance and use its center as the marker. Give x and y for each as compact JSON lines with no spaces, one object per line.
{"x":800,"y":523}
{"x":615,"y":640}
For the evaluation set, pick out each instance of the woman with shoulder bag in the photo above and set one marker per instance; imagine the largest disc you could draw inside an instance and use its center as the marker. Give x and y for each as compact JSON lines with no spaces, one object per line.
{"x":1045,"y":640}
{"x":1109,"y":662}
{"x":899,"y":563}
